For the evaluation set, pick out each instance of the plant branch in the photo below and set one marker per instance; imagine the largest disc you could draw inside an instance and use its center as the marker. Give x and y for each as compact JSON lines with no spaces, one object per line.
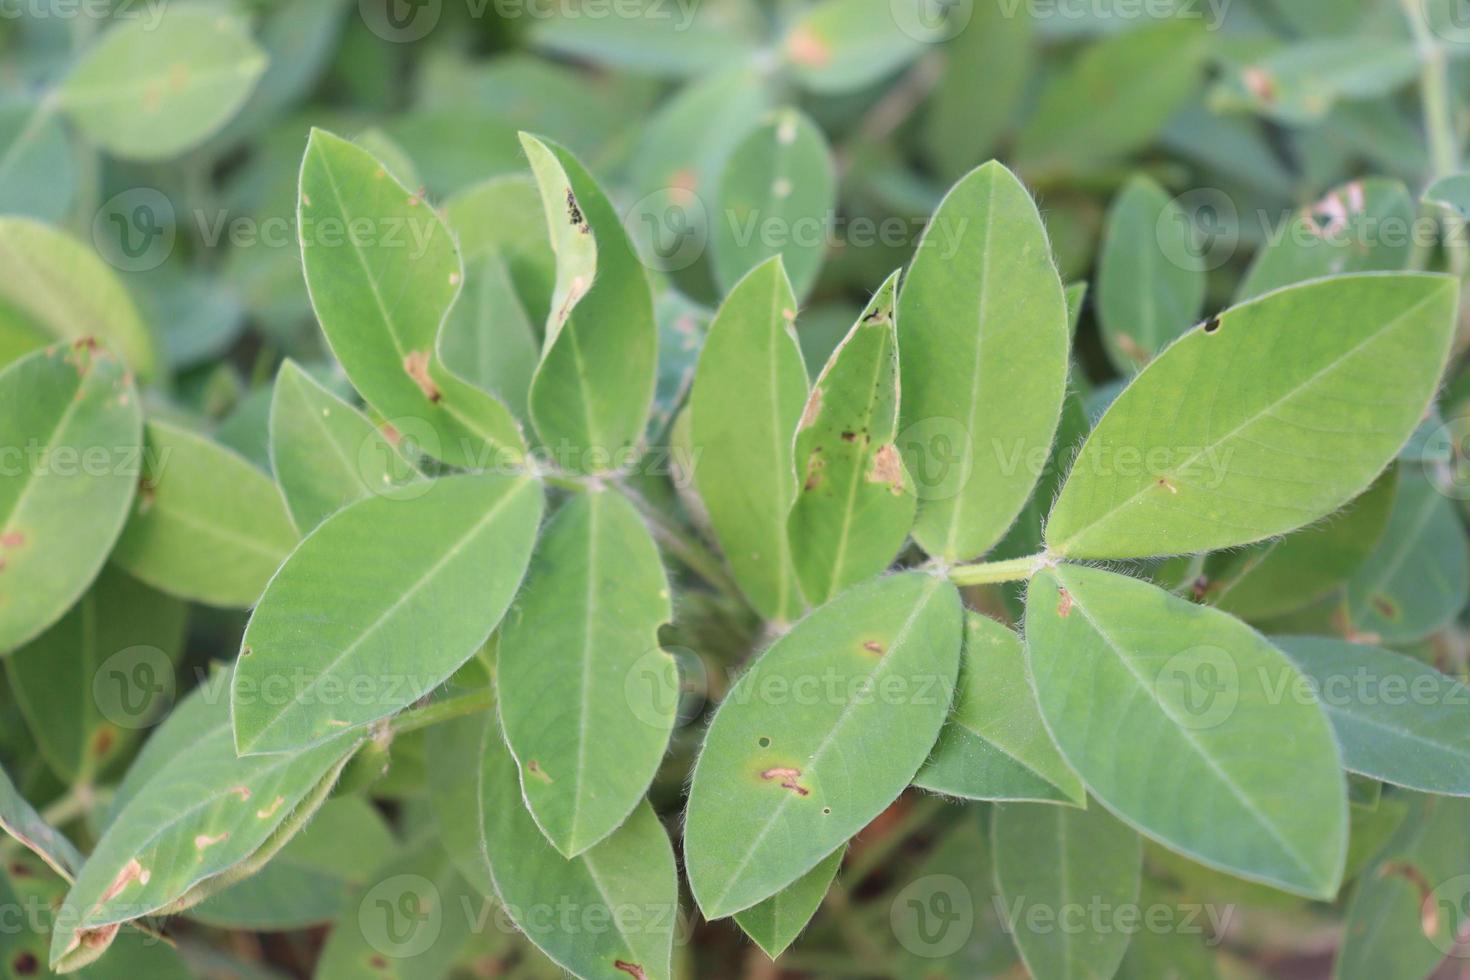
{"x":443,"y":710}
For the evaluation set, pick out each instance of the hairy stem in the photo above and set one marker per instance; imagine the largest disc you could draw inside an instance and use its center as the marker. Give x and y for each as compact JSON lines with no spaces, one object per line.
{"x":452,"y":707}
{"x":990,"y":573}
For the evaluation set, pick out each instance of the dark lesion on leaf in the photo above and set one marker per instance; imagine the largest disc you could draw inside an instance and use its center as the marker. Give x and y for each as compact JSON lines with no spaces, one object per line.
{"x":1386,"y":607}
{"x":574,"y":213}
{"x":1428,"y":907}
{"x":25,"y":964}
{"x":534,"y":768}
{"x":633,"y":970}
{"x":1064,"y":604}
{"x":416,"y":363}
{"x":873,"y":646}
{"x":1212,"y":324}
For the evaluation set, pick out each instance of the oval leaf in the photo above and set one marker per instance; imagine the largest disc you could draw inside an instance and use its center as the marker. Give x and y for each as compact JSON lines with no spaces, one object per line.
{"x":149,"y":91}
{"x":1259,"y":421}
{"x":1173,"y":714}
{"x":627,"y":883}
{"x":71,"y":424}
{"x":818,"y":736}
{"x":982,"y":324}
{"x":747,"y":399}
{"x":419,"y":580}
{"x":206,"y":526}
{"x":775,"y":923}
{"x":587,"y":737}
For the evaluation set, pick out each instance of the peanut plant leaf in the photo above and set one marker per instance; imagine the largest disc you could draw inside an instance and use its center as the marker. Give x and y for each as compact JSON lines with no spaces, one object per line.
{"x":150,"y":91}
{"x":776,"y":196}
{"x":89,"y":684}
{"x":1298,"y":84}
{"x":325,"y":453}
{"x":995,"y":54}
{"x":749,"y":388}
{"x":1151,"y":276}
{"x":1173,"y":716}
{"x":587,"y":734}
{"x":1407,"y":908}
{"x":456,"y":801}
{"x":383,"y":270}
{"x":1050,"y":859}
{"x":310,"y":881}
{"x":37,"y":163}
{"x":982,"y":323}
{"x":1249,"y":426}
{"x":995,"y":745}
{"x":627,"y":882}
{"x":70,"y":422}
{"x":489,"y":340}
{"x":206,"y":526}
{"x":1113,"y":98}
{"x":822,"y":732}
{"x":592,"y":391}
{"x":63,"y":287}
{"x":20,"y":820}
{"x":1351,"y":229}
{"x":1278,"y":576}
{"x":1451,"y":193}
{"x":201,"y":819}
{"x":421,"y":578}
{"x":775,"y":923}
{"x":856,"y":504}
{"x":838,"y":46}
{"x":1397,"y":719}
{"x":1417,"y":578}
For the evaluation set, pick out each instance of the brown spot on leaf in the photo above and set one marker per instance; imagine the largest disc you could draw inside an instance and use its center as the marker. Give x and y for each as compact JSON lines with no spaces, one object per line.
{"x":887,"y":468}
{"x":1064,"y":607}
{"x":1260,"y":83}
{"x":1167,"y":484}
{"x":1386,"y":607}
{"x":849,"y":437}
{"x":534,"y":768}
{"x":631,"y":969}
{"x":12,"y":539}
{"x":99,"y":938}
{"x":243,"y":792}
{"x":1428,"y":908}
{"x":131,"y":872}
{"x":102,"y":741}
{"x":873,"y":646}
{"x":203,"y":842}
{"x":1212,"y":324}
{"x":25,"y":964}
{"x":812,"y":410}
{"x":788,"y":778}
{"x":267,"y":812}
{"x":807,"y":49}
{"x":416,"y":363}
{"x":1132,"y":349}
{"x":19,"y":869}
{"x":377,"y":962}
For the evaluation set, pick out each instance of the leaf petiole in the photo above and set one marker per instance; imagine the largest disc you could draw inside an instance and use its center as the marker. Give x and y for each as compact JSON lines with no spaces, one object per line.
{"x":990,"y":573}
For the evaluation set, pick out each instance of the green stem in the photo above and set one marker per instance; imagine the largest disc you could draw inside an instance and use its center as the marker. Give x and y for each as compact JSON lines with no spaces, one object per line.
{"x":876,"y":854}
{"x":684,"y":546}
{"x":990,"y":573}
{"x":1439,"y":124}
{"x":438,"y":711}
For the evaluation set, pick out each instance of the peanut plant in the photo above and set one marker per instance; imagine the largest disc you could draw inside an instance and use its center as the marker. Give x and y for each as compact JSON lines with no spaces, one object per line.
{"x":653,"y":501}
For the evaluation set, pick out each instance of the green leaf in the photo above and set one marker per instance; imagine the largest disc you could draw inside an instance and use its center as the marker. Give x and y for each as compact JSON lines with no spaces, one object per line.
{"x":1451,"y":193}
{"x":1284,"y":574}
{"x":1113,"y":98}
{"x":150,"y":91}
{"x":776,"y":197}
{"x":1049,"y":863}
{"x":587,"y":734}
{"x":1184,"y":951}
{"x":200,"y":819}
{"x":310,"y":881}
{"x":206,"y":526}
{"x":1173,"y":714}
{"x":856,"y":503}
{"x":839,"y":46}
{"x":982,"y":323}
{"x":1298,"y":84}
{"x":747,"y":399}
{"x":383,"y":271}
{"x":995,"y":745}
{"x":71,"y":424}
{"x":995,"y":54}
{"x":1151,"y":277}
{"x":775,"y":923}
{"x":1396,"y":719}
{"x":1408,"y":908}
{"x":590,"y":396}
{"x":61,"y":286}
{"x":455,"y":799}
{"x":818,"y":736}
{"x":1247,"y":427}
{"x":20,"y":820}
{"x":325,"y":453}
{"x":105,"y":671}
{"x":489,"y":340}
{"x":37,"y":169}
{"x":418,"y":578}
{"x":1417,"y":578}
{"x":627,"y":883}
{"x":650,"y":38}
{"x":1364,"y":226}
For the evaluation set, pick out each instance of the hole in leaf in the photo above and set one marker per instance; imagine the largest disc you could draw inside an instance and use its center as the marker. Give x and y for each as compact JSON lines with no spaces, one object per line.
{"x":1212,"y":324}
{"x":763,"y":742}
